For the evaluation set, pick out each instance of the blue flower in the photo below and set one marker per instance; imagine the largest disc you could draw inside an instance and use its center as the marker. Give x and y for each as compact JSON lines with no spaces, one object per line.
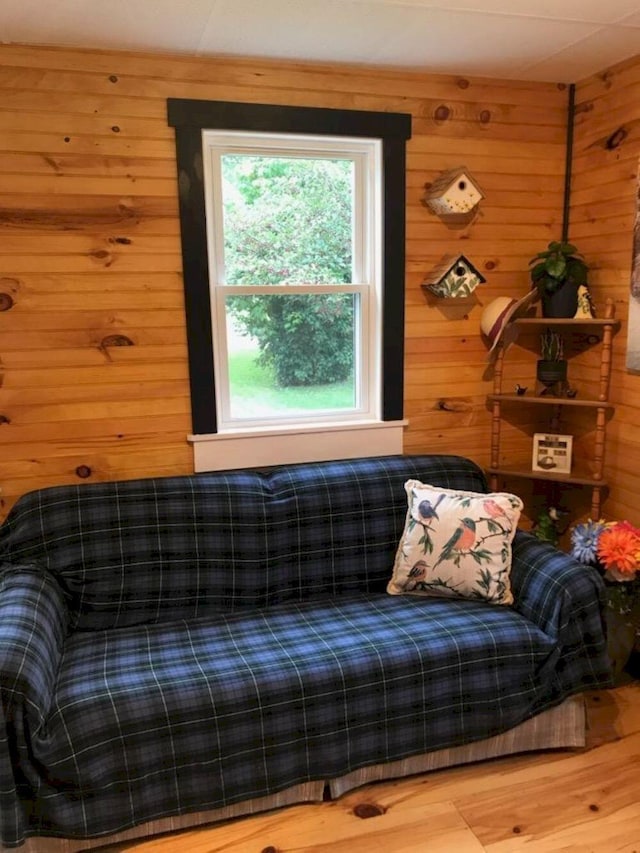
{"x":584,"y":541}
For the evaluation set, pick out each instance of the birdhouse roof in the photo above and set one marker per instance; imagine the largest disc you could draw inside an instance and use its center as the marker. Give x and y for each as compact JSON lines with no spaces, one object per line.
{"x":446,"y":179}
{"x":447,"y":264}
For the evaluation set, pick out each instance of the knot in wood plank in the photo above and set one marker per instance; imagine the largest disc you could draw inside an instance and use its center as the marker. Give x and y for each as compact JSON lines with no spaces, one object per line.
{"x":367,"y":810}
{"x":116,"y":341}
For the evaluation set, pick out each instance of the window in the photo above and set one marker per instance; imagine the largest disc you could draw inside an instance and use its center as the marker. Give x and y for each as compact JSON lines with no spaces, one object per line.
{"x":293,"y":226}
{"x":270,"y":283}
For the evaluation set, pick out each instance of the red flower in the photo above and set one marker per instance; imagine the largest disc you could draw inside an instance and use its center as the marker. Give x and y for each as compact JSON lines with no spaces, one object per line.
{"x":619,"y":548}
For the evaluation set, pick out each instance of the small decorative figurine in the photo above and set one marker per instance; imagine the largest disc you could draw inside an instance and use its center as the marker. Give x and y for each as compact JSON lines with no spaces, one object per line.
{"x":520,"y":390}
{"x":584,"y":310}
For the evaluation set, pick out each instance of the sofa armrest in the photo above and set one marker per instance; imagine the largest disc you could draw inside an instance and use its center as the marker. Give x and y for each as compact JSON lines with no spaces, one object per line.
{"x":33,"y":626}
{"x":566,"y":600}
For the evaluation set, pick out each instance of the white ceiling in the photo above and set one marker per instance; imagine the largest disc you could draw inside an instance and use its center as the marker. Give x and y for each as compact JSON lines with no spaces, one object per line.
{"x":544,"y":40}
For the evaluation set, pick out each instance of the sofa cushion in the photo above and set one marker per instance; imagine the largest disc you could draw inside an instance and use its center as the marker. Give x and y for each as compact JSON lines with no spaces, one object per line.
{"x":164,"y":718}
{"x":139,"y":551}
{"x":456,"y":544}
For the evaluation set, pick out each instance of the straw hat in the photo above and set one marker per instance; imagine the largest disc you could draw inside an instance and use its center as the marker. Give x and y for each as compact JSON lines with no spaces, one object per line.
{"x":499,"y":313}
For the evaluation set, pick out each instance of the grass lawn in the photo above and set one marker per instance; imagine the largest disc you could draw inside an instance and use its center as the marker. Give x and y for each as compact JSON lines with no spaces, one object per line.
{"x":254,"y":392}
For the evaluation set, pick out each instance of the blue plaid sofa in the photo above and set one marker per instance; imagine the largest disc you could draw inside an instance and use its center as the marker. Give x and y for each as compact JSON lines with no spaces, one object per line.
{"x":177,"y":645}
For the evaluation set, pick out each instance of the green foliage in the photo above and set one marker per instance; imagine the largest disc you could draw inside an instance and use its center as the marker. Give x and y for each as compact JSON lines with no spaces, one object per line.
{"x":561,"y":262}
{"x":304,"y":339}
{"x":254,"y":389}
{"x":289,"y":221}
{"x":551,"y":345}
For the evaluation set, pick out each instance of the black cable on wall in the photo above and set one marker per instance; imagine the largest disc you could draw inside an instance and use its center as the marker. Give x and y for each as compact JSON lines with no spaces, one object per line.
{"x":568,"y":162}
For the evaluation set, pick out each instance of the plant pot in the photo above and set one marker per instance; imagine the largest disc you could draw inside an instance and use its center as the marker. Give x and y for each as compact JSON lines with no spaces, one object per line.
{"x":550,"y":372}
{"x":562,"y":303}
{"x":621,"y":635}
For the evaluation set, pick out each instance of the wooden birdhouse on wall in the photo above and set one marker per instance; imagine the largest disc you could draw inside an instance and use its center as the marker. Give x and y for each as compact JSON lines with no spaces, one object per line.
{"x":453,"y":278}
{"x":454,"y":192}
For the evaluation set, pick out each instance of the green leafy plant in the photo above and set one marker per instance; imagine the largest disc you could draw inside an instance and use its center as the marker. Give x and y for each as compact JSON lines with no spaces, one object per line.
{"x":560,"y":263}
{"x":289,"y":221}
{"x":551,"y":345}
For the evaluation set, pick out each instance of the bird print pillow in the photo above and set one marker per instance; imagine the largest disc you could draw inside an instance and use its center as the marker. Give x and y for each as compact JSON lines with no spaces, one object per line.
{"x":456,"y":544}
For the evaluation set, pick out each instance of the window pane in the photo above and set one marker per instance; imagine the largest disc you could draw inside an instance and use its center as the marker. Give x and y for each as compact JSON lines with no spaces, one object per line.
{"x":287,"y":220}
{"x":291,"y":354}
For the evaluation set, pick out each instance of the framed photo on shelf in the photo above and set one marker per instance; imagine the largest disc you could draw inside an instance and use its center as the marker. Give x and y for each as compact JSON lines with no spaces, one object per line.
{"x":552,"y":453}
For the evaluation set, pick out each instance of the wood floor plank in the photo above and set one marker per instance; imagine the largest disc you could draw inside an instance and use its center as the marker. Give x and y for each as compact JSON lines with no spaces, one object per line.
{"x":586,"y":789}
{"x":297,"y":830}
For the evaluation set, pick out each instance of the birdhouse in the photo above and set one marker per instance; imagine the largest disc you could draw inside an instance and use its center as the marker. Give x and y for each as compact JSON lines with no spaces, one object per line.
{"x":454,"y":192}
{"x":453,"y":278}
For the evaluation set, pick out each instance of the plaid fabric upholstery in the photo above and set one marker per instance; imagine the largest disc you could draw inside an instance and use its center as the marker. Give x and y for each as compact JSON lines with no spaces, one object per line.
{"x":566,"y":599}
{"x":183,"y":547}
{"x":158,"y":719}
{"x":112,"y":727}
{"x":33,"y":624}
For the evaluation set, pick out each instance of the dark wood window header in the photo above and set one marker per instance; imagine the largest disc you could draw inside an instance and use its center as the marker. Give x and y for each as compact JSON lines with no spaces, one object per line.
{"x":215,"y":115}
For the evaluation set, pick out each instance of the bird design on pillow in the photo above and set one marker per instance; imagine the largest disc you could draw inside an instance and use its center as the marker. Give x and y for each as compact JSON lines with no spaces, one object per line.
{"x":416,"y":575}
{"x":427,"y":510}
{"x":462,"y":539}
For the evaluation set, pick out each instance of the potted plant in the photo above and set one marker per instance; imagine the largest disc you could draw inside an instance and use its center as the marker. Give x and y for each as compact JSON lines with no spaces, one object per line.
{"x":552,"y":365}
{"x":557,"y":273}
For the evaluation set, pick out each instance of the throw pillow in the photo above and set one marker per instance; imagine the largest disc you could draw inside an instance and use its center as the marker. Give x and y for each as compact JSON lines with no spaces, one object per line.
{"x":456,"y":544}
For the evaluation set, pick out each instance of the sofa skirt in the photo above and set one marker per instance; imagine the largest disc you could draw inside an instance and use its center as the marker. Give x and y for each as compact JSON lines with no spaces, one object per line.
{"x":563,"y":726}
{"x":560,"y":727}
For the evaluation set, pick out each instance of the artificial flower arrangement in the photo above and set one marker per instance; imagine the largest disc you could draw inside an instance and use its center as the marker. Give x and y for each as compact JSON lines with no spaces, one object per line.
{"x":614,"y":547}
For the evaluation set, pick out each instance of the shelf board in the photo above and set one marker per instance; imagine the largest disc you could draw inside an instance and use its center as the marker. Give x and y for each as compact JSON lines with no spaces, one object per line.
{"x":594,"y":322}
{"x":550,"y":401}
{"x":528,"y":474}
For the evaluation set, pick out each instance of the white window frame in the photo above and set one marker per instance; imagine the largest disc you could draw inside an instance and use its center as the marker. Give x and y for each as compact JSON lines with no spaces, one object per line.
{"x":366,"y":155}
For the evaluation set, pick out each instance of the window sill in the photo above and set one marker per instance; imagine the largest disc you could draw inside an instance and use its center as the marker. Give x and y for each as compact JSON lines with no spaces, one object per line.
{"x":278,"y":446}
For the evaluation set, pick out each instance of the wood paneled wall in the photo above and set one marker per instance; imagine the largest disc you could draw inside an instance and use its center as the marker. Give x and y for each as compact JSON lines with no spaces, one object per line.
{"x":92,"y":339}
{"x":604,"y":190}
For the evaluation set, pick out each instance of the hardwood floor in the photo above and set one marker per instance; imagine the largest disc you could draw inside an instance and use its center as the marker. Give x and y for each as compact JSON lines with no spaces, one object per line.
{"x":579,"y":800}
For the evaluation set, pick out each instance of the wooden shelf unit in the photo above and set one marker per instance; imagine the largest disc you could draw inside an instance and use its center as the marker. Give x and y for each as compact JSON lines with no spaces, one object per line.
{"x":603,"y":330}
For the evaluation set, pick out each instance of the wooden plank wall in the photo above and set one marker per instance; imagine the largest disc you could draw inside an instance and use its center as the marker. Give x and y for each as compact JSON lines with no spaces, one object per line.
{"x":90,"y":252}
{"x":604,"y":189}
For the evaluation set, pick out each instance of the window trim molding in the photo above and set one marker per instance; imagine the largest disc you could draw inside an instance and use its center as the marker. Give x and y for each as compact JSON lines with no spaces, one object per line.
{"x":189,"y":118}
